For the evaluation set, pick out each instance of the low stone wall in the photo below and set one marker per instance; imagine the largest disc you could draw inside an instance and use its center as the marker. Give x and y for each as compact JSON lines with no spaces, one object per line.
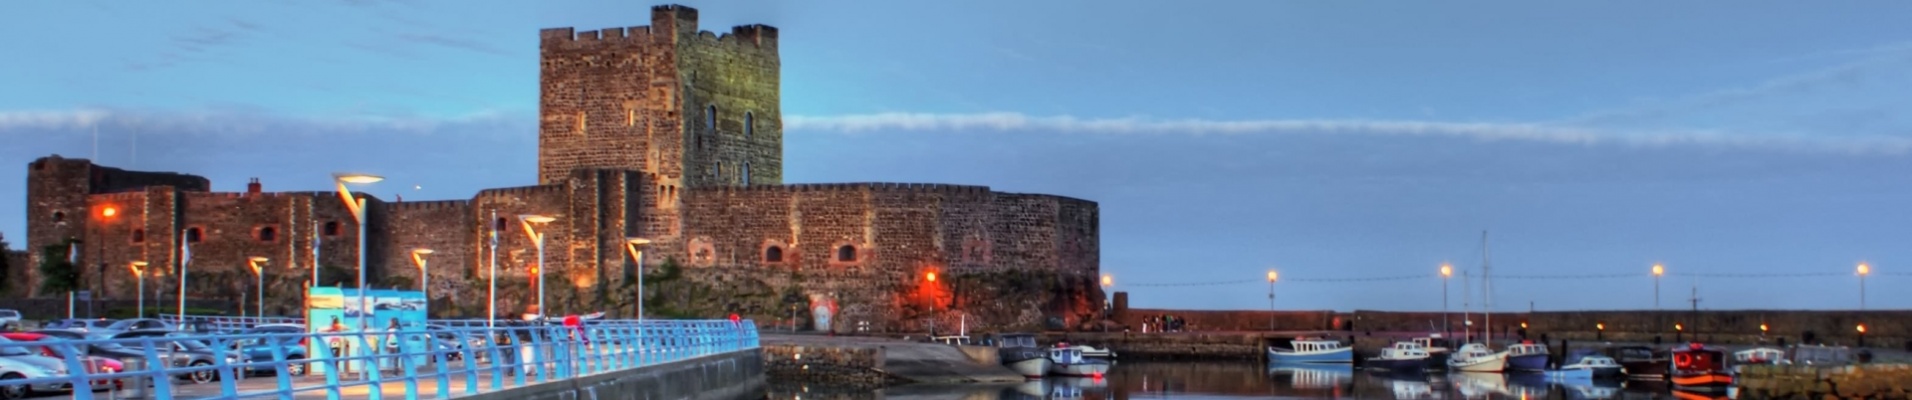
{"x":731,"y":376}
{"x":1181,"y":346}
{"x":1874,"y":381}
{"x":837,"y":367}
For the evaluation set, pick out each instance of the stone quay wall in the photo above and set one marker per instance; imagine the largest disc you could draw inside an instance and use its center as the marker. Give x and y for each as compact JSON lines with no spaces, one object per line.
{"x":838,"y":367}
{"x":1876,"y":381}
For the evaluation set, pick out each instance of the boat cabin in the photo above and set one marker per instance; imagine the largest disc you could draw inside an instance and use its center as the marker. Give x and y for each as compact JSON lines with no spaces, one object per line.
{"x":1313,"y":345}
{"x":1404,"y":350}
{"x":1017,"y":340}
{"x":1526,"y":348}
{"x":1762,"y":355}
{"x":1697,"y":357}
{"x":959,"y":340}
{"x":1065,"y":355}
{"x":1432,"y":343}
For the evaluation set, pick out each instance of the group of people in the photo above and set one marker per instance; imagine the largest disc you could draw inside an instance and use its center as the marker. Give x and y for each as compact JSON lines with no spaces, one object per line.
{"x":1163,"y":323}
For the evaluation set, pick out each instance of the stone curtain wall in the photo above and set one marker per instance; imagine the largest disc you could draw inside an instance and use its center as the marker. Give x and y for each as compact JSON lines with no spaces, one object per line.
{"x":833,"y":366}
{"x":445,"y":227}
{"x":57,"y":204}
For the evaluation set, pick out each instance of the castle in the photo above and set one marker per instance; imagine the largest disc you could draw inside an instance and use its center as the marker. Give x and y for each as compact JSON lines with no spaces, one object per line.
{"x":661,"y":132}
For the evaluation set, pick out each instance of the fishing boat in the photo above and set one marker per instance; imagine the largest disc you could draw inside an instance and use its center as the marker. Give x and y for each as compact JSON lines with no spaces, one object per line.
{"x":1697,"y":368}
{"x":1570,"y":375}
{"x":1601,"y":366}
{"x":1640,"y":362}
{"x":1527,"y":356}
{"x":1020,"y":353}
{"x":1312,"y":351}
{"x":1476,"y":357}
{"x":1093,"y":352}
{"x":1404,"y":357}
{"x":1068,"y":361}
{"x":1436,"y":348}
{"x":1760,"y":356}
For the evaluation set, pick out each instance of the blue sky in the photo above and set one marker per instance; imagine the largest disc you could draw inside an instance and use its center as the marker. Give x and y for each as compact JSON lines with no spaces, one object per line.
{"x":1731,"y":141}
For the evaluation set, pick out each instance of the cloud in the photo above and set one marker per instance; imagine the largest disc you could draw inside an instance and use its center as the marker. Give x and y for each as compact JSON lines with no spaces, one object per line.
{"x":1552,"y":133}
{"x":244,"y":120}
{"x":455,"y":43}
{"x":1891,"y":60}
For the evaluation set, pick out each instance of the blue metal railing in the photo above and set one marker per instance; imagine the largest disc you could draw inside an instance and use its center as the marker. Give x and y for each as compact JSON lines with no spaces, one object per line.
{"x":434,"y":363}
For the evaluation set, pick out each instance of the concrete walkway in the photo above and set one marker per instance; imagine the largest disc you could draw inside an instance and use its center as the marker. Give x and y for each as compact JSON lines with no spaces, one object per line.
{"x":312,"y":386}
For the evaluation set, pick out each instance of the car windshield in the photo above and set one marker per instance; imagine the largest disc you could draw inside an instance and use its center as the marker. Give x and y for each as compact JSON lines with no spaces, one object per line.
{"x":190,"y":344}
{"x":8,"y":350}
{"x":9,"y":314}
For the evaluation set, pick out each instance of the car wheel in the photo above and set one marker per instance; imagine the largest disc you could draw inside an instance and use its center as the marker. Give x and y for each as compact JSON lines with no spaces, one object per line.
{"x":12,"y":391}
{"x":295,"y":368}
{"x":204,"y":375}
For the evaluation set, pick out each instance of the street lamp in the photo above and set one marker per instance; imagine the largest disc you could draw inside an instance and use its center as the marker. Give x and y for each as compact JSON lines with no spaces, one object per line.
{"x":259,"y":273}
{"x":357,"y":207}
{"x":1658,"y":270}
{"x":424,"y":277}
{"x":1447,"y":271}
{"x":139,"y":275}
{"x":1863,"y":271}
{"x":637,"y":255}
{"x":537,"y":238}
{"x":1271,"y":298}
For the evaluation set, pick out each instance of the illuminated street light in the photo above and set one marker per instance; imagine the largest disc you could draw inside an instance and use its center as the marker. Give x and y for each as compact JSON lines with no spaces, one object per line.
{"x":139,"y":275}
{"x":1272,"y":276}
{"x":424,"y":277}
{"x":1447,"y":271}
{"x":357,"y":207}
{"x":538,"y":238}
{"x":259,"y":273}
{"x":930,"y":276}
{"x":1863,"y":271}
{"x":637,"y":255}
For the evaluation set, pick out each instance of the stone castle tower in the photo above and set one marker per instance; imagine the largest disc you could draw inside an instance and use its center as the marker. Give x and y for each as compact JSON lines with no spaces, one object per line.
{"x":662,"y":132}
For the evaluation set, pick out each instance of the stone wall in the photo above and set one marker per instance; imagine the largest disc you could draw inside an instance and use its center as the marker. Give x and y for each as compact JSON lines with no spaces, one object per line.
{"x":57,"y":198}
{"x":1232,"y":320}
{"x":1815,"y":382}
{"x":445,"y":227}
{"x":737,"y":375}
{"x":841,"y":367}
{"x":16,"y":275}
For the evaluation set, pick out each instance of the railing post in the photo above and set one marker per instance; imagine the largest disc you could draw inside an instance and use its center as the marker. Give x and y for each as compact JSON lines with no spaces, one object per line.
{"x":404,"y":363}
{"x":282,"y":368}
{"x":77,"y":371}
{"x":367,"y":355}
{"x":493,"y":345}
{"x":471,"y":360}
{"x":227,"y":382}
{"x":331,"y":362}
{"x":439,"y":355}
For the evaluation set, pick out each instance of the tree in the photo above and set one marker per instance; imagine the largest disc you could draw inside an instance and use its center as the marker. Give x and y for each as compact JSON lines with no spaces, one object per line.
{"x":56,"y":274}
{"x":6,"y":265}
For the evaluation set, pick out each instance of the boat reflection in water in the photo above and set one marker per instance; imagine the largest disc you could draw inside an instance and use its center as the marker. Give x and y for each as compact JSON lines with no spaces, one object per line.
{"x":1313,"y":376}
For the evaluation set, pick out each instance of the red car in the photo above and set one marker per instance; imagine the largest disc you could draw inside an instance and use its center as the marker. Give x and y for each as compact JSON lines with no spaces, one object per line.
{"x":93,"y":364}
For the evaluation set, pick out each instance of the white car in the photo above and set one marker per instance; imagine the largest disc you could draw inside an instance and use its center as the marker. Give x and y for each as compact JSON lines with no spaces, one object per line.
{"x":9,"y":320}
{"x":14,"y":368}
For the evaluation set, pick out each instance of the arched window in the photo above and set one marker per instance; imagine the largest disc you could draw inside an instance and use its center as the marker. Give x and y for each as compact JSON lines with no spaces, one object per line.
{"x":846,"y":253}
{"x":192,"y":235}
{"x":773,"y":254}
{"x":331,"y":228}
{"x":139,"y":236}
{"x":745,"y":170}
{"x":710,"y":117}
{"x":750,"y":125}
{"x":267,"y":234}
{"x":59,"y":216}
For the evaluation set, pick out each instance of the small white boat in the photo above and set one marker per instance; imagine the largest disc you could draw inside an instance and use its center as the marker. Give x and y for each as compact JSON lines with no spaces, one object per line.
{"x":1020,"y":353}
{"x":1312,"y":351}
{"x":1092,"y":352}
{"x":1067,"y":361}
{"x":1761,"y":355}
{"x":1476,"y":357}
{"x":1031,"y":368}
{"x":1403,"y":357}
{"x":1602,"y":366}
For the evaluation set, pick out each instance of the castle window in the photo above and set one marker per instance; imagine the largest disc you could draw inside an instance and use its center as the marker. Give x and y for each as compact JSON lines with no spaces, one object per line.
{"x":710,"y":117}
{"x":192,"y":235}
{"x":746,"y":172}
{"x":267,"y":234}
{"x":773,"y":254}
{"x":630,"y":117}
{"x":331,"y":228}
{"x":500,"y":225}
{"x":581,"y":120}
{"x":59,"y":216}
{"x":139,"y":236}
{"x":846,"y":253}
{"x":750,"y":125}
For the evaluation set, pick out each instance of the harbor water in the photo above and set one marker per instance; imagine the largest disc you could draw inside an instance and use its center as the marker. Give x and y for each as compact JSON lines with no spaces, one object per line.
{"x":1250,"y":380}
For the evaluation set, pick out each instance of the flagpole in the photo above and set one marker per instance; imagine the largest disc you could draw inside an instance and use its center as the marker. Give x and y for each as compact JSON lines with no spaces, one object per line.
{"x":316,"y":233}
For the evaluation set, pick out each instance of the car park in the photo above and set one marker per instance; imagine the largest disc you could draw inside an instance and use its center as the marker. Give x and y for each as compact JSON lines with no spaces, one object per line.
{"x":9,"y":320}
{"x":180,"y":351}
{"x":260,"y":349}
{"x":52,"y":366}
{"x":94,"y":364}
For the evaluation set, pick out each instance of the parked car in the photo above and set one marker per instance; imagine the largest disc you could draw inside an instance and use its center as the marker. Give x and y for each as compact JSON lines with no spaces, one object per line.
{"x":79,"y":324}
{"x":109,"y":350}
{"x":9,"y":320}
{"x":52,"y":366}
{"x":11,"y":370}
{"x":127,"y":325}
{"x":181,"y":351}
{"x":260,"y":349}
{"x":94,"y":364}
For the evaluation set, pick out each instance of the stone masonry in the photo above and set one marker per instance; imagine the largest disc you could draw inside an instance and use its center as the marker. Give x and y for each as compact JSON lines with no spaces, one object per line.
{"x":663,"y":132}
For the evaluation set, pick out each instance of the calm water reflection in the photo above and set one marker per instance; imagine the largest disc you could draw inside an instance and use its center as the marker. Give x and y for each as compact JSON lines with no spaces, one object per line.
{"x":1212,"y":380}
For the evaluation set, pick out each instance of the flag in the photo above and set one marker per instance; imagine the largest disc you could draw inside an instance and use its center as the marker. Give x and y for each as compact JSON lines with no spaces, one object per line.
{"x":73,"y":253}
{"x":185,"y":252}
{"x":494,"y":229}
{"x":315,"y":244}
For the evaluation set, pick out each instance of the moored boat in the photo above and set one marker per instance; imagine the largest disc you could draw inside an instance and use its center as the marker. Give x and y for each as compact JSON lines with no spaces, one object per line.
{"x":1312,"y":351}
{"x":1402,"y":357}
{"x":1092,"y":352}
{"x":1021,"y":354}
{"x":1476,"y":357}
{"x":1601,"y":366}
{"x":1640,"y":362}
{"x":1570,"y":375}
{"x":1697,"y":368}
{"x":1068,"y":361}
{"x":1437,"y":351}
{"x":1527,"y":356}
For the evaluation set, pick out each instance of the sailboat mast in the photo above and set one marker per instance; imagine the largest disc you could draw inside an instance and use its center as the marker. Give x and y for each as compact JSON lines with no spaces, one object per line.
{"x":1487,"y":289}
{"x":1467,"y":306}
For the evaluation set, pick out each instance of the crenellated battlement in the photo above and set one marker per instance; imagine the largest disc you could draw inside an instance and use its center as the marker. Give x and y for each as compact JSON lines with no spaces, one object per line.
{"x":855,"y":186}
{"x":522,"y":191}
{"x":120,"y":196}
{"x":665,"y":19}
{"x":1057,"y":198}
{"x":431,"y":205}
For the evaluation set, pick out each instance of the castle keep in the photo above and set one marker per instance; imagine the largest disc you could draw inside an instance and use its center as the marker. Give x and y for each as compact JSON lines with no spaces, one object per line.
{"x":662,"y":132}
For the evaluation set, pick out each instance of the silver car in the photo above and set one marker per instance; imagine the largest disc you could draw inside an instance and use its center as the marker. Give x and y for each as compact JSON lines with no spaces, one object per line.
{"x":29,"y":365}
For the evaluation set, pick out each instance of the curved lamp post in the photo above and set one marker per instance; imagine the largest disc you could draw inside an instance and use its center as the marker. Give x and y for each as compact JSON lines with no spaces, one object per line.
{"x":357,"y":207}
{"x":424,"y":277}
{"x":139,"y":275}
{"x":1447,"y":271}
{"x":1271,"y":298}
{"x":1863,"y":271}
{"x":537,"y":238}
{"x":259,"y":273}
{"x":637,"y":255}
